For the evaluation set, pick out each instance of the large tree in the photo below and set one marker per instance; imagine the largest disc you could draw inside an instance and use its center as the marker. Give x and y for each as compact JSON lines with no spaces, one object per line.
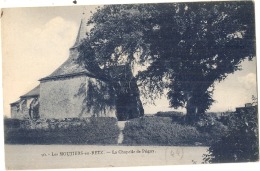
{"x":184,"y":47}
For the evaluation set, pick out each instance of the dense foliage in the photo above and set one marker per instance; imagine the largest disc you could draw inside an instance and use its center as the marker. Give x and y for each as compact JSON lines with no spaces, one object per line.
{"x":166,"y":128}
{"x":159,"y":131}
{"x":241,"y":144}
{"x":211,"y":127}
{"x":67,"y":131}
{"x":182,"y":47}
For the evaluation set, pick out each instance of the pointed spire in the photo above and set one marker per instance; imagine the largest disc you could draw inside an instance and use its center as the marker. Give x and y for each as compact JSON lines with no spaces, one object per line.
{"x":82,"y":33}
{"x":70,"y":67}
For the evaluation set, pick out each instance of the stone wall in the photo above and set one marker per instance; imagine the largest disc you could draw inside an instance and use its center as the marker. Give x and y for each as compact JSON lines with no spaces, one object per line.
{"x":15,"y":112}
{"x":21,"y":109}
{"x":66,"y":98}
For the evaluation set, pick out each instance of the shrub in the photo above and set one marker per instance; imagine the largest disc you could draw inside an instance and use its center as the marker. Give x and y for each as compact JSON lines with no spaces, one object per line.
{"x":241,"y":143}
{"x":224,"y":118}
{"x":159,"y":131}
{"x":211,"y":128}
{"x":66,"y":131}
{"x":176,"y":116}
{"x":11,"y":123}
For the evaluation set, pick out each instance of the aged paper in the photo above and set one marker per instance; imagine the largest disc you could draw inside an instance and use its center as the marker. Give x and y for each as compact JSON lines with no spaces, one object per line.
{"x":38,"y":49}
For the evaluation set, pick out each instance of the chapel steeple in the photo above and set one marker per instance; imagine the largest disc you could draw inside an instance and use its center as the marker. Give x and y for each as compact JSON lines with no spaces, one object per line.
{"x":70,"y":67}
{"x":82,"y":32}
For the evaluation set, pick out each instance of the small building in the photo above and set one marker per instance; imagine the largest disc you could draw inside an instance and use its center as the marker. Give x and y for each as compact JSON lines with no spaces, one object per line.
{"x":27,"y":107}
{"x":72,"y":91}
{"x":247,"y":108}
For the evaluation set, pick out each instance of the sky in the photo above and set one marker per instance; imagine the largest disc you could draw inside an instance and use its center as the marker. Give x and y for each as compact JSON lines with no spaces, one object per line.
{"x":36,"y":41}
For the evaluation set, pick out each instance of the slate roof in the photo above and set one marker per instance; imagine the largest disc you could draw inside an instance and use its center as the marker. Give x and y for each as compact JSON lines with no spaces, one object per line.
{"x":16,"y":102}
{"x":34,"y":92}
{"x":69,"y":68}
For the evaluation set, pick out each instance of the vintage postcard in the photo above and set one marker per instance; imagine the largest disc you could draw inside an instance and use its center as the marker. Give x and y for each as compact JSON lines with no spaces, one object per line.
{"x":139,"y":84}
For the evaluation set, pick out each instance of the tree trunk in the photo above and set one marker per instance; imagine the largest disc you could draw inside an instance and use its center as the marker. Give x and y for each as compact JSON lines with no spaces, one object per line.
{"x":128,"y":106}
{"x":192,"y":111}
{"x":128,"y":103}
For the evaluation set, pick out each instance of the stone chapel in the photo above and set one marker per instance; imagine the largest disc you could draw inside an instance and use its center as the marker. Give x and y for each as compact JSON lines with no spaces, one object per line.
{"x":63,"y":93}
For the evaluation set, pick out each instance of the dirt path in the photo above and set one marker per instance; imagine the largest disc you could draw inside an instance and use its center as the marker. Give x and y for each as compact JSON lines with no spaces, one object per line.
{"x":121,"y":126}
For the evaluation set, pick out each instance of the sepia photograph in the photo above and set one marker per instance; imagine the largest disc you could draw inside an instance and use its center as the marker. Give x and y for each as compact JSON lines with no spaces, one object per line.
{"x":124,"y":85}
